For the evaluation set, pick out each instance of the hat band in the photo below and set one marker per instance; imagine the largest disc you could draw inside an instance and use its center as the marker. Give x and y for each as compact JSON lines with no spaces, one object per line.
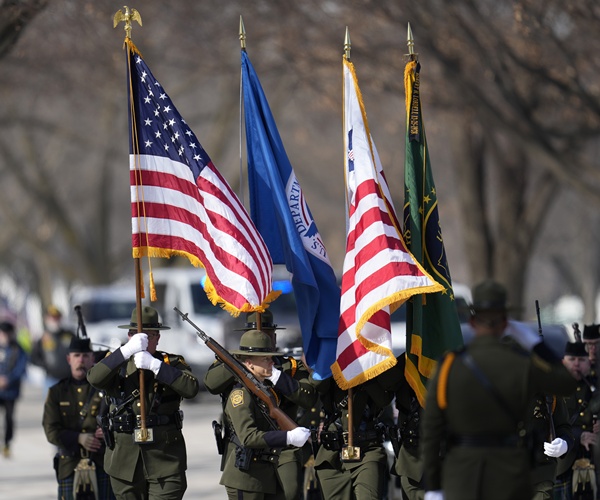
{"x":146,"y":325}
{"x":254,"y":326}
{"x":255,"y":349}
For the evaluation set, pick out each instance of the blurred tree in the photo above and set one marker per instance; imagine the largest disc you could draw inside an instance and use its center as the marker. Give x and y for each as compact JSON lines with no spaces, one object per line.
{"x":511,"y":100}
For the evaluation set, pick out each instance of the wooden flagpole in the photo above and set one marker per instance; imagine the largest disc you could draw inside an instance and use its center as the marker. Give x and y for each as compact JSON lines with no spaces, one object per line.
{"x":128,"y":16}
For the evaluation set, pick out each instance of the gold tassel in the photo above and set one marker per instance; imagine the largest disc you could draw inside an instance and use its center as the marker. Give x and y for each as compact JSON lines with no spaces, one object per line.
{"x":152,"y":288}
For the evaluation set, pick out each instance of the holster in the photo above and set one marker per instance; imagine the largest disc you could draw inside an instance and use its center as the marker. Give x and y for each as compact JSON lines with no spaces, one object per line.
{"x":218,"y":431}
{"x":107,"y":432}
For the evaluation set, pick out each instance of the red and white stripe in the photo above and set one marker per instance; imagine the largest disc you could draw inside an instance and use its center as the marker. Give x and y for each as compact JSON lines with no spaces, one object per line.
{"x":175,"y":214}
{"x":379,"y":271}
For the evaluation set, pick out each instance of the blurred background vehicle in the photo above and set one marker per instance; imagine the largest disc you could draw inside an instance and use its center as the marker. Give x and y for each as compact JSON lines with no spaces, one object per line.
{"x":104,"y":308}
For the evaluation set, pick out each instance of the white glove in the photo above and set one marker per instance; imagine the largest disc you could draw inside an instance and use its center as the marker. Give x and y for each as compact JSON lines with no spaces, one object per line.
{"x":298,"y":436}
{"x":274,"y":376}
{"x":523,"y":334}
{"x":137,"y":343}
{"x":556,"y":448}
{"x":145,"y":361}
{"x":434,"y":495}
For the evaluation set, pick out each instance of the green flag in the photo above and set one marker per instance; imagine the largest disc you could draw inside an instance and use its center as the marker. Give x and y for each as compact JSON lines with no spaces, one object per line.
{"x":432,"y":324}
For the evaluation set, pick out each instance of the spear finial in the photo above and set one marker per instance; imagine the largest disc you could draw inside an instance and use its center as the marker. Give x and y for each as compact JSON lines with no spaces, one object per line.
{"x":347,"y":44}
{"x":127,"y":16}
{"x":242,"y":34}
{"x":410,"y":42}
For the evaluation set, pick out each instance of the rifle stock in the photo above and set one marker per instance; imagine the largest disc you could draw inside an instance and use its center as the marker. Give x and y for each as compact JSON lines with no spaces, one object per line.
{"x":283,"y":421}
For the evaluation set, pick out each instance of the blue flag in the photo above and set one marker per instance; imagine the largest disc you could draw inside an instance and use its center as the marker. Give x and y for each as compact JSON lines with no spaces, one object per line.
{"x":280,"y":212}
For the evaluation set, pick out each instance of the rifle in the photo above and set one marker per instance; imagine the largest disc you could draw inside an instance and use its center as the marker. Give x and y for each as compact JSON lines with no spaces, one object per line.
{"x":549,"y":398}
{"x":276,"y":416}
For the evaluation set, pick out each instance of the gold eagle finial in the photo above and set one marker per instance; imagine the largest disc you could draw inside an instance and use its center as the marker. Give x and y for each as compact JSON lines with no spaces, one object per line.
{"x":128,"y":16}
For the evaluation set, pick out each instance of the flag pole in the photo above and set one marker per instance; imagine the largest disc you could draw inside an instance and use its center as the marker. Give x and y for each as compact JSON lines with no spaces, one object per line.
{"x":350,"y":453}
{"x":242,"y":35}
{"x":128,"y":16}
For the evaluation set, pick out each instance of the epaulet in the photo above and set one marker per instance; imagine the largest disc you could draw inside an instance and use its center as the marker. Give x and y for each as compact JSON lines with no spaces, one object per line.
{"x":294,"y":366}
{"x":174,"y":359}
{"x":444,"y":370}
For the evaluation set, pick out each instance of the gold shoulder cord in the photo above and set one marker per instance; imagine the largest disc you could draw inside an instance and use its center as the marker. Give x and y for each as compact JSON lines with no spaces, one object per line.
{"x":442,"y":394}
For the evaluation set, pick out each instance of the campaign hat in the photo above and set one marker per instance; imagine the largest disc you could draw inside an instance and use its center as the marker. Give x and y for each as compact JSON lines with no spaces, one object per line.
{"x":266,"y":321}
{"x":150,"y":320}
{"x":489,"y":296}
{"x":256,"y":343}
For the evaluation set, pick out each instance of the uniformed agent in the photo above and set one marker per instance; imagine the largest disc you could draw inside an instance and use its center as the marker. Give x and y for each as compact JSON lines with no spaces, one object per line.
{"x":476,"y":407}
{"x":70,"y":423}
{"x":250,"y":471}
{"x":409,"y":462}
{"x":365,"y":474}
{"x":591,"y":339}
{"x":141,"y":466}
{"x":219,"y":380}
{"x":582,"y":408}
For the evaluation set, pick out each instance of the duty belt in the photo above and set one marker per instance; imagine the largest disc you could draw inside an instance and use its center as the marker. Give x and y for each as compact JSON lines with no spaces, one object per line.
{"x":128,"y":422}
{"x":334,"y":440}
{"x":487,"y":441}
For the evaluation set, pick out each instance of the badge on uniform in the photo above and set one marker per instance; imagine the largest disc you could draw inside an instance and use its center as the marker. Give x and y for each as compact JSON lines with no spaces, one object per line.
{"x":237,"y":398}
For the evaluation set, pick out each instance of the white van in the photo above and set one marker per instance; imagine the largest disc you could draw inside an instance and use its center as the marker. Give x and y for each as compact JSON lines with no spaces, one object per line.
{"x":104,"y":308}
{"x":183,"y":287}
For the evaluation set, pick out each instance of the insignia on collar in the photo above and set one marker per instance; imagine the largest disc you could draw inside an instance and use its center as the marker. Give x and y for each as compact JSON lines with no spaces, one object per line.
{"x":237,"y":398}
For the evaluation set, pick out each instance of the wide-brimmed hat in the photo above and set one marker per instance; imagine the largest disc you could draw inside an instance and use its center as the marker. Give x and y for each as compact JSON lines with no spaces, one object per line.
{"x":150,"y":320}
{"x":79,"y":344}
{"x":591,"y":332}
{"x":489,"y":296}
{"x":256,"y":343}
{"x":576,"y":349}
{"x":266,"y":321}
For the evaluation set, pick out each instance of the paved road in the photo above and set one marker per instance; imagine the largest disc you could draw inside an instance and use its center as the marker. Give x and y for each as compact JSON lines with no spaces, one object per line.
{"x":28,"y":473}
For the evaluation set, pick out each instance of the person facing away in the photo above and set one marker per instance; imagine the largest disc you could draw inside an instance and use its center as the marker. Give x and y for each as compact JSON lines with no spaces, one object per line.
{"x":294,"y":391}
{"x":13,"y":365}
{"x":50,"y":350}
{"x":250,"y":470}
{"x":69,"y":422}
{"x":145,"y":463}
{"x":473,"y":430}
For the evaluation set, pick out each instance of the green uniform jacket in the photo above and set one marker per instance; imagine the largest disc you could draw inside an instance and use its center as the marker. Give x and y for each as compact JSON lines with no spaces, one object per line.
{"x":255,"y":433}
{"x":546,"y":468}
{"x":165,"y":456}
{"x":581,"y":417}
{"x":369,"y":400}
{"x":294,"y":393}
{"x":63,"y":423}
{"x":471,"y":472}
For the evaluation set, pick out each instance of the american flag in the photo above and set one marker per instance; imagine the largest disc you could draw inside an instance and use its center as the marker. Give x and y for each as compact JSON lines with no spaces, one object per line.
{"x":379,"y":272}
{"x":181,"y":205}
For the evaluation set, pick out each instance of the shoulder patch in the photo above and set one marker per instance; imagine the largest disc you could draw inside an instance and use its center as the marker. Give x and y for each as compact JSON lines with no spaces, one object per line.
{"x":237,"y":398}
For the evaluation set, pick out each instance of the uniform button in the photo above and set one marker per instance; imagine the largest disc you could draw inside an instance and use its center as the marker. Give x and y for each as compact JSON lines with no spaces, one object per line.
{"x":139,"y":404}
{"x":580,"y":400}
{"x":581,"y":414}
{"x":313,"y":410}
{"x":80,"y":403}
{"x":79,"y":389}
